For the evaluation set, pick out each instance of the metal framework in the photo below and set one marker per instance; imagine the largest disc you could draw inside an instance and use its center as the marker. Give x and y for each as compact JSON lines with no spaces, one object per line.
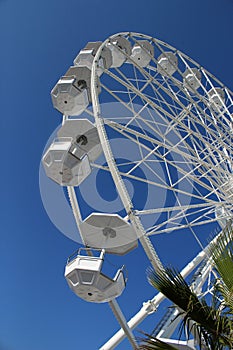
{"x":177,"y":119}
{"x":167,"y":326}
{"x":190,"y":135}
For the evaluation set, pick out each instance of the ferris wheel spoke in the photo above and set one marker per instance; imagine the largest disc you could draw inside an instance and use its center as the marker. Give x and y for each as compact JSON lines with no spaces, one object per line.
{"x":189,"y":98}
{"x":189,"y":176}
{"x":134,"y":89}
{"x":159,"y":185}
{"x":197,"y":135}
{"x":176,"y":208}
{"x":179,"y":226}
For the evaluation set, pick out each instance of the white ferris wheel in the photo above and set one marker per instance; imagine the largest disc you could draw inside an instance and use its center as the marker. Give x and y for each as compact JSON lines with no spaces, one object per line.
{"x":161,"y":122}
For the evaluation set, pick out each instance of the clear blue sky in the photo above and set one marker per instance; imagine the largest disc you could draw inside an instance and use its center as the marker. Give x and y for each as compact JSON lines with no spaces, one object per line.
{"x":39,"y":40}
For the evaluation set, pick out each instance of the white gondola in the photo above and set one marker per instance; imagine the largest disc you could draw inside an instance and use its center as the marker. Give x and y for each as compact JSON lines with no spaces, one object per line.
{"x":119,"y":46}
{"x":109,"y":231}
{"x":84,"y":134}
{"x":67,"y":98}
{"x":142,"y":53}
{"x":67,"y":160}
{"x":167,"y":63}
{"x":192,"y":78}
{"x":71,"y":95}
{"x":86,"y":57}
{"x":216,"y":98}
{"x":85,"y":277}
{"x":63,"y":164}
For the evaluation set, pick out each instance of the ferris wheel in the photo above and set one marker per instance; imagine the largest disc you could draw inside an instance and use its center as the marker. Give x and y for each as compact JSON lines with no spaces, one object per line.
{"x":155,"y":120}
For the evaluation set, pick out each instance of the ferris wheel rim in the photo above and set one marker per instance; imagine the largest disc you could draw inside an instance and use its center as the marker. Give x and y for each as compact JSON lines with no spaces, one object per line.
{"x":101,"y":127}
{"x":149,"y":37}
{"x":136,"y":223}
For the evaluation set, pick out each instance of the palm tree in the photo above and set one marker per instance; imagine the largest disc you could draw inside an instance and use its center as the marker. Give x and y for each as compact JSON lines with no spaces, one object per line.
{"x":212,"y":324}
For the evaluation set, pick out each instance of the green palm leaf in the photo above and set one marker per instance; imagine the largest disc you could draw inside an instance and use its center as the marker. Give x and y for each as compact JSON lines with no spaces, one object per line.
{"x":208,"y":322}
{"x":151,"y":343}
{"x":222,"y":254}
{"x":211,"y":324}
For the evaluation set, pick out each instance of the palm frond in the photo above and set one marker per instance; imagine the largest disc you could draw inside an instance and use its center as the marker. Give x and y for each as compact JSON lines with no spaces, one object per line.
{"x":211,"y":325}
{"x":207,"y":321}
{"x":152,"y":343}
{"x":222,"y":254}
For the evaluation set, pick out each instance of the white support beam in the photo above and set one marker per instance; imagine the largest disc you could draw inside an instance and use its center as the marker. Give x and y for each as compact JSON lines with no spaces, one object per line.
{"x":151,"y":305}
{"x":122,"y":321}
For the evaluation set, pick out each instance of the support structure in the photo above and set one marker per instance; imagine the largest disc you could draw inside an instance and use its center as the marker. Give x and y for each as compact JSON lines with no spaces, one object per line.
{"x":151,"y":306}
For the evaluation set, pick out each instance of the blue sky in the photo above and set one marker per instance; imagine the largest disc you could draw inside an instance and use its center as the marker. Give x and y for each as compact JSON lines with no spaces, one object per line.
{"x":39,"y":41}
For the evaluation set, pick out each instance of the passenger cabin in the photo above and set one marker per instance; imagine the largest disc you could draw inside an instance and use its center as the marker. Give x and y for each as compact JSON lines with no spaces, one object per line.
{"x":86,"y":279}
